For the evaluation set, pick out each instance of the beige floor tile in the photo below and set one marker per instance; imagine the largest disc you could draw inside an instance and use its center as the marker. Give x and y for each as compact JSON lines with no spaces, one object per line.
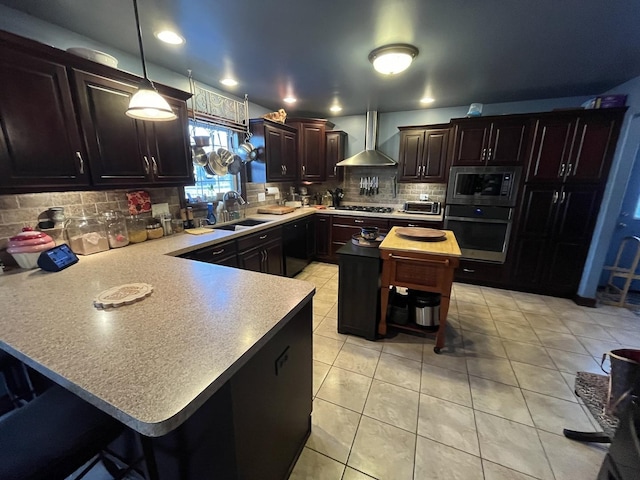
{"x":518,"y":333}
{"x":576,"y":314}
{"x":527,"y":353}
{"x":446,"y":384}
{"x":508,"y":315}
{"x":394,"y":405}
{"x":317,"y":281}
{"x":333,"y":312}
{"x":588,"y":330}
{"x":573,"y":362}
{"x":572,"y":460}
{"x":493,"y":368}
{"x":448,"y":423}
{"x":493,"y":471}
{"x":483,"y":345}
{"x":537,"y":307}
{"x":324,"y":294}
{"x":560,"y":341}
{"x":542,"y":380}
{"x":345,"y":388}
{"x":322,"y":307}
{"x":357,"y":359}
{"x":546,"y":322}
{"x":320,"y":371}
{"x":316,"y":321}
{"x":314,"y":466}
{"x":473,"y":323}
{"x":629,"y":338}
{"x":499,"y":399}
{"x":476,"y":309}
{"x":329,"y":328}
{"x":333,"y":430}
{"x":371,"y":452}
{"x":614,"y":321}
{"x":570,"y":380}
{"x":352,"y":474}
{"x":403,"y":345}
{"x":326,"y":349}
{"x":363,"y":342}
{"x":451,"y":358}
{"x":501,"y":300}
{"x":435,"y":461}
{"x":512,"y":445}
{"x":553,"y":414}
{"x":399,"y":371}
{"x":596,"y":348}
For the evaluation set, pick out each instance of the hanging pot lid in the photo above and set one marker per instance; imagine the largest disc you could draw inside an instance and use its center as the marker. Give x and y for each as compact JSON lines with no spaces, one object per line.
{"x":226,"y":157}
{"x":199,"y":156}
{"x":236,"y":165}
{"x":215,"y":164}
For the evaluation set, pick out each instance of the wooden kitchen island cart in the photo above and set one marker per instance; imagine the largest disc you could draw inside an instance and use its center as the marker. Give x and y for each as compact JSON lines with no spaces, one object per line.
{"x":420,"y":265}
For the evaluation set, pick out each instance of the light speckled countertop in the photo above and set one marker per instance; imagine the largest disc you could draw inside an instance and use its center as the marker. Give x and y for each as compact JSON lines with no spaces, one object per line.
{"x":153,"y":363}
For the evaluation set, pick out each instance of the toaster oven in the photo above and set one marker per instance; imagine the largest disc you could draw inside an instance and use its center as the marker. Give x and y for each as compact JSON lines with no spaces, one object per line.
{"x":426,"y":208}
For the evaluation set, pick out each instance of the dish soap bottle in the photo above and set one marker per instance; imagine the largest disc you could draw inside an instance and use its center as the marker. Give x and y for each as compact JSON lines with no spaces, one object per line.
{"x":211,"y":218}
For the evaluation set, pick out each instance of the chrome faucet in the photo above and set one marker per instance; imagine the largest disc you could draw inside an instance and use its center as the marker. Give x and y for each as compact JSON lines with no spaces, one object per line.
{"x":232,"y":197}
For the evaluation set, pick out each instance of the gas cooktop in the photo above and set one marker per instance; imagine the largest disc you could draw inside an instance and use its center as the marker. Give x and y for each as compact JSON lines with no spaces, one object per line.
{"x":365,"y":208}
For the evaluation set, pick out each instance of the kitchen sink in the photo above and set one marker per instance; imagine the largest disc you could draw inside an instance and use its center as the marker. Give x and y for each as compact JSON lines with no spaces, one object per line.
{"x":239,"y":225}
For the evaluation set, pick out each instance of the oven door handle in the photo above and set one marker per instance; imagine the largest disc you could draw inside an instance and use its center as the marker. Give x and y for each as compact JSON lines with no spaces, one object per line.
{"x":480,"y":220}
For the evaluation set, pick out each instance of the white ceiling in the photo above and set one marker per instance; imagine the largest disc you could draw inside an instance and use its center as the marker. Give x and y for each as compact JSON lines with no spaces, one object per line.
{"x":487,"y":51}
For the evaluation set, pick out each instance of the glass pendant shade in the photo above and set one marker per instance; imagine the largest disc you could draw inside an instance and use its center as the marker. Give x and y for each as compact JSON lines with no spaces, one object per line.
{"x":148,"y":104}
{"x":393,"y":59}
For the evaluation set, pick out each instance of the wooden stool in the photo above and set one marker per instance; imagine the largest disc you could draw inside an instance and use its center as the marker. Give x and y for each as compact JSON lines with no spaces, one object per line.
{"x":614,"y":295}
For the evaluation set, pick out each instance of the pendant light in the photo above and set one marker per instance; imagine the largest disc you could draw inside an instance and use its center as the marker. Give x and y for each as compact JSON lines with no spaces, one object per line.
{"x":147,"y":103}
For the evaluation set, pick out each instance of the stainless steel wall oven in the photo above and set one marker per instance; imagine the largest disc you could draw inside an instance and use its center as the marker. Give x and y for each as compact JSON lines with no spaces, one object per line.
{"x":482,"y":232}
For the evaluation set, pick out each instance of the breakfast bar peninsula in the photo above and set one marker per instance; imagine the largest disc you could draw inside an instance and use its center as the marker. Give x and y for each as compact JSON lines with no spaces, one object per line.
{"x":420,"y":259}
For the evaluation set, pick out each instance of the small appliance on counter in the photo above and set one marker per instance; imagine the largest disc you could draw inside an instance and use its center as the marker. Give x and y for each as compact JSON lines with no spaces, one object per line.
{"x":422,"y":207}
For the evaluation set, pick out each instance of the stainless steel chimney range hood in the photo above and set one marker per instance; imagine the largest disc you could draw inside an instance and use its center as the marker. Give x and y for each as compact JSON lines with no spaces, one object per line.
{"x":370,"y":156}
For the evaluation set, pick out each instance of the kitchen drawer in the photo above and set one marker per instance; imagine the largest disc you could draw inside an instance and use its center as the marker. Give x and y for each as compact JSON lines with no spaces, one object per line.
{"x":341,"y":220}
{"x":259,"y":238}
{"x":220,"y":254}
{"x":481,"y":273}
{"x":416,"y":223}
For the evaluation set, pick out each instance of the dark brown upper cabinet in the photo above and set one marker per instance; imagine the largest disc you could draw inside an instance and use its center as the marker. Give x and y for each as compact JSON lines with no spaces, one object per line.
{"x":335,"y":152}
{"x":277,"y":146}
{"x":124,"y":151}
{"x":64,"y":125}
{"x":490,"y":141}
{"x":574,"y":147}
{"x":40,"y":143}
{"x":423,"y":154}
{"x":311,"y":148}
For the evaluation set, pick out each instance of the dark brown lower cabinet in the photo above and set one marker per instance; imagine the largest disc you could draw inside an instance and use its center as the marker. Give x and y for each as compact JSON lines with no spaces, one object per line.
{"x":554,"y":234}
{"x":262,"y":252}
{"x":323,"y":237}
{"x":257,"y":423}
{"x":482,"y":273}
{"x":220,"y":254}
{"x":344,"y":227}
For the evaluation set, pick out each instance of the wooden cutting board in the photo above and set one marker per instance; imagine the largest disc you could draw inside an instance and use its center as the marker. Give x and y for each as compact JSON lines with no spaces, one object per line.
{"x":276,"y":209}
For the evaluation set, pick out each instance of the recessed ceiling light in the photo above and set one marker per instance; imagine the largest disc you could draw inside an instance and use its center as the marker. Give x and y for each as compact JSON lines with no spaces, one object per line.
{"x":229,"y":82}
{"x":167,"y":36}
{"x":427,"y":100}
{"x":336,"y":108}
{"x":290,"y":99}
{"x":393,"y":59}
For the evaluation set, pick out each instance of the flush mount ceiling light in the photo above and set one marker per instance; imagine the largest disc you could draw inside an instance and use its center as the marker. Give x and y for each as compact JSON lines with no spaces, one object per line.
{"x":146,"y":103}
{"x":427,"y":100}
{"x":290,"y":99}
{"x":167,"y":36}
{"x":229,"y":82}
{"x":393,"y":59}
{"x":336,"y":108}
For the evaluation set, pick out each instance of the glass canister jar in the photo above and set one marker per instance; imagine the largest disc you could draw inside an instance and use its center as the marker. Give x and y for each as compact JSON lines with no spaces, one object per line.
{"x":86,"y":234}
{"x":154,"y":229}
{"x":116,"y":229}
{"x":137,"y":228}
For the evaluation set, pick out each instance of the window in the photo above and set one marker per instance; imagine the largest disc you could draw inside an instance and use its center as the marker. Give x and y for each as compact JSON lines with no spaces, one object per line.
{"x":207,"y":186}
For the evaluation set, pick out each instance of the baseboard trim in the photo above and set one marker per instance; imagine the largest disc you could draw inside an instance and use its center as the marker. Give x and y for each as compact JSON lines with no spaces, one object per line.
{"x":585,"y":301}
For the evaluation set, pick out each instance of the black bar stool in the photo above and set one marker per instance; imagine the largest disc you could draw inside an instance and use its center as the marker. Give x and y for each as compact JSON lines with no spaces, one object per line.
{"x":19,"y":390}
{"x":52,"y":436}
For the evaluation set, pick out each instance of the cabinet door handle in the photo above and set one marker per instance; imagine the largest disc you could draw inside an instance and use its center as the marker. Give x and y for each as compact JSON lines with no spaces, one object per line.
{"x":146,"y":164}
{"x":411,"y":225}
{"x":569,"y":168}
{"x":489,"y":154}
{"x":555,"y":197}
{"x":155,"y":165}
{"x":420,"y":170}
{"x":562,"y":197}
{"x":358,"y":221}
{"x":562,"y":167}
{"x":304,"y":170}
{"x":81,"y":161}
{"x":262,"y":237}
{"x":468,"y":270}
{"x":335,"y":171}
{"x":484,"y":154}
{"x":285,"y":169}
{"x":218,"y":252}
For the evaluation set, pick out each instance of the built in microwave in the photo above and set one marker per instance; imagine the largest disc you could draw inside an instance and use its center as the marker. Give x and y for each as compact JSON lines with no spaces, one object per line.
{"x":483,"y":186}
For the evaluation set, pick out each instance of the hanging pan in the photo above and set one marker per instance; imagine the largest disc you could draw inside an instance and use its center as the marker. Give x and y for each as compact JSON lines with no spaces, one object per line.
{"x":199,"y":156}
{"x":236,"y":165}
{"x":216,"y":165}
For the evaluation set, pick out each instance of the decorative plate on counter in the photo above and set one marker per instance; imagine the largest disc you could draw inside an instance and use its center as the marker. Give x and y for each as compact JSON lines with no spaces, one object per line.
{"x":123,"y":295}
{"x":419,"y":233}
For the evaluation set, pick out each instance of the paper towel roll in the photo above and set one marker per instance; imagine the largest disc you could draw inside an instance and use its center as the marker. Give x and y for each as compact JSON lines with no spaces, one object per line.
{"x":273,"y":191}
